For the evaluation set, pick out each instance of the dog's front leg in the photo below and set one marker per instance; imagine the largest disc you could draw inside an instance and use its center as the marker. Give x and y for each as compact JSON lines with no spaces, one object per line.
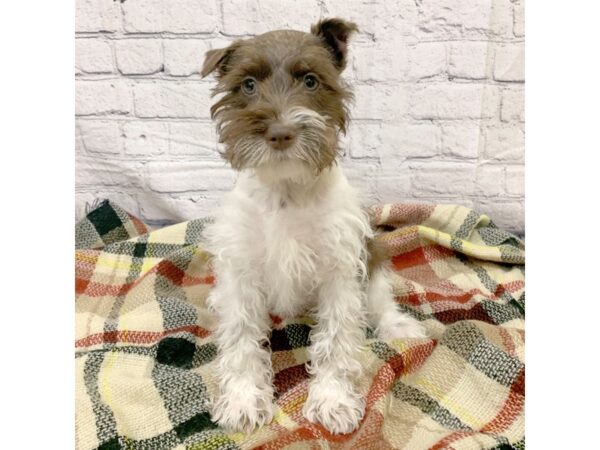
{"x":245,"y":398}
{"x":336,"y":340}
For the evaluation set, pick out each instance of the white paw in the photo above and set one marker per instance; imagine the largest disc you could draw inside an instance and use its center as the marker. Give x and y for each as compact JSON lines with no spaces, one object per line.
{"x":400,"y":326}
{"x":335,"y":405}
{"x":243,"y":406}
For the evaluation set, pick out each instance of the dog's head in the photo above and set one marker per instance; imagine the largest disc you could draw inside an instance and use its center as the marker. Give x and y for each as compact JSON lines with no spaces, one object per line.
{"x":283,"y":100}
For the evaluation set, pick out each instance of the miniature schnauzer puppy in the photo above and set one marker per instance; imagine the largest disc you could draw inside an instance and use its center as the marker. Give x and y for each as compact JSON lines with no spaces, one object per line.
{"x":292,"y":237}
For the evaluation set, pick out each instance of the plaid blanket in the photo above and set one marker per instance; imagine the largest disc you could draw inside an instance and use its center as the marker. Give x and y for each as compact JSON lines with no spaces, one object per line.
{"x":144,"y":350}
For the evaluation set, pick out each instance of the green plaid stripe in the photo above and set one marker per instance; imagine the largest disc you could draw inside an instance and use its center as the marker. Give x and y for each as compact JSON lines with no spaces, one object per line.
{"x":105,"y":224}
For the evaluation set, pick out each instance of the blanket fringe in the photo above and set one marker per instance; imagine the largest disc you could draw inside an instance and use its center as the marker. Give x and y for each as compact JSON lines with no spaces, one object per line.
{"x":97,"y":203}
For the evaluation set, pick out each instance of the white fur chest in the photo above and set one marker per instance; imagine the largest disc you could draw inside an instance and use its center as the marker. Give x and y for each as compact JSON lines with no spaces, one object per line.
{"x":294,"y":258}
{"x":288,"y":239}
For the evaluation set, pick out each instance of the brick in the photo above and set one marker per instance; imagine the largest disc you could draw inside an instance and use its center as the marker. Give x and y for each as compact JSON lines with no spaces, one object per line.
{"x":174,"y":16}
{"x":188,"y":176}
{"x":471,"y":60}
{"x":515,"y":180}
{"x":79,"y":147}
{"x":509,"y":64}
{"x":462,"y":140}
{"x":267,"y":15}
{"x":507,"y":215}
{"x":96,"y":15}
{"x":499,"y":16}
{"x":489,"y":181}
{"x":139,"y":56}
{"x":505,"y":143}
{"x":519,"y":18}
{"x":378,"y":19}
{"x":513,"y":105}
{"x":445,"y":179}
{"x":364,"y":139}
{"x":454,"y":17}
{"x":409,"y":141}
{"x":184,"y":57}
{"x":379,"y":102}
{"x":93,"y":56}
{"x":362,"y":175}
{"x":371,"y":60}
{"x":427,"y":60}
{"x":250,"y":10}
{"x":194,"y":139}
{"x":454,"y":101}
{"x":102,"y":97}
{"x":158,"y":208}
{"x":100,"y":136}
{"x":172,"y":99}
{"x":394,"y":187}
{"x":102,"y":172}
{"x":146,"y":137}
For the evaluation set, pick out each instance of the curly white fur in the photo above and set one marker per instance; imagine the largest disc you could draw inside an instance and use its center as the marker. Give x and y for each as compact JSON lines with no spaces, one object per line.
{"x":288,"y":241}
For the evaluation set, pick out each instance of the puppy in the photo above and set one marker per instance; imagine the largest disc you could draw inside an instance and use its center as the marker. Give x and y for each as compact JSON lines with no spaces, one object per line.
{"x":291,"y":237}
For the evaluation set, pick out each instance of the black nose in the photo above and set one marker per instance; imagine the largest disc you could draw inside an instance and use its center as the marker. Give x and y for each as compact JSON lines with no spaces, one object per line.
{"x":280,"y":136}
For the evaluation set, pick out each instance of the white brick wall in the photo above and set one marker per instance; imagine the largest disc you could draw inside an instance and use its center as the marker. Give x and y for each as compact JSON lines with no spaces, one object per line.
{"x":438,"y":117}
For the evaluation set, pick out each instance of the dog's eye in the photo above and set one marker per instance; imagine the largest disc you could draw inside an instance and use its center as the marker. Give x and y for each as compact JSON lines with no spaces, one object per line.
{"x":310,"y":81}
{"x":249,"y":85}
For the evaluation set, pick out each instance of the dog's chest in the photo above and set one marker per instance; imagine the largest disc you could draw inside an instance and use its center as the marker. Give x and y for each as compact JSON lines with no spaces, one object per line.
{"x":294,"y":258}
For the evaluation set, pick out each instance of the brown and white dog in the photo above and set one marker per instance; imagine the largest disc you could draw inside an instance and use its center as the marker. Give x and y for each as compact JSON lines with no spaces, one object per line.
{"x":292,"y":237}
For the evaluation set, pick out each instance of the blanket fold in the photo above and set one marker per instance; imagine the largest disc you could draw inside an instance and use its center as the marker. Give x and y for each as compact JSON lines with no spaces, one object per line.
{"x":144,"y":350}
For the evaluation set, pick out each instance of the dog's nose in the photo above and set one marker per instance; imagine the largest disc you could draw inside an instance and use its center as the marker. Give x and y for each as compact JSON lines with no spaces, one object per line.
{"x":280,"y":136}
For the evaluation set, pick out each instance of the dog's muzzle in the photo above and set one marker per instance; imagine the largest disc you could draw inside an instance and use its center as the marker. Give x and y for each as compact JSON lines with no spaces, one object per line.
{"x":280,"y":136}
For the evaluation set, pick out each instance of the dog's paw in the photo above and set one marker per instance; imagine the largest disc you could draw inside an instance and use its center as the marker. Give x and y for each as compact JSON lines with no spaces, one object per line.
{"x":243,"y":407}
{"x":400,"y":326}
{"x":335,"y":405}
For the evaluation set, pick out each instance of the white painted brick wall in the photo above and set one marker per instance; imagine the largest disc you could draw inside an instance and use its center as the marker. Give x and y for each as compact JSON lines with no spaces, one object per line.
{"x":438,"y":116}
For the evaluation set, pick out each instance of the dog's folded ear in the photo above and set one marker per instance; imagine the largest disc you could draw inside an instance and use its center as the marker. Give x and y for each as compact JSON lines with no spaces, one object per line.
{"x":335,"y":33}
{"x":218,"y":59}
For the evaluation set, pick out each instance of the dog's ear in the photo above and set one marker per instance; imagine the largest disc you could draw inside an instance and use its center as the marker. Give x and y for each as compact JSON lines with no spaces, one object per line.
{"x":218,"y":59}
{"x":335,"y":34}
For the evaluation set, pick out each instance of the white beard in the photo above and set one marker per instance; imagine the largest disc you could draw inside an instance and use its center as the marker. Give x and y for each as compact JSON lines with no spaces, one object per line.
{"x":288,"y":242}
